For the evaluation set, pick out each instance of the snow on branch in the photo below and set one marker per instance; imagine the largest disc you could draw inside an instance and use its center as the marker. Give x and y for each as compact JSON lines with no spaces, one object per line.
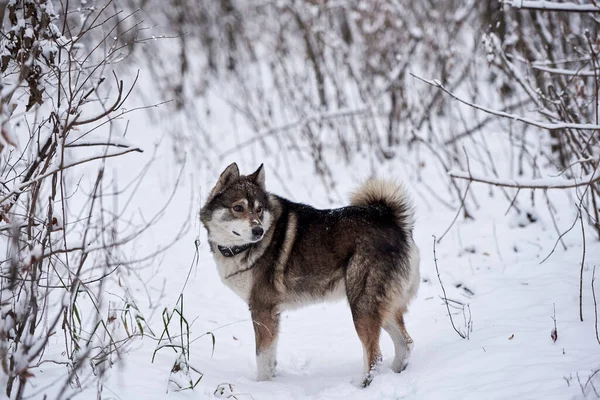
{"x":568,"y":72}
{"x":316,"y":117}
{"x":540,"y":124}
{"x":551,"y":6}
{"x":523,"y":183}
{"x":21,"y":186}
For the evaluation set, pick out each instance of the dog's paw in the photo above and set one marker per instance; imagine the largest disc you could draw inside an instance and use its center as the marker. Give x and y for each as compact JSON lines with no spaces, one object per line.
{"x":399,"y":366}
{"x":266,"y":372}
{"x":361,"y":382}
{"x":374,"y":370}
{"x":262,"y":376}
{"x":403,"y":366}
{"x":265,"y":363}
{"x":367,"y":381}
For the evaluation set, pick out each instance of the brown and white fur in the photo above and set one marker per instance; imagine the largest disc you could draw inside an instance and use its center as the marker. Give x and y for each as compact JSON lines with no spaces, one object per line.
{"x":277,"y":255}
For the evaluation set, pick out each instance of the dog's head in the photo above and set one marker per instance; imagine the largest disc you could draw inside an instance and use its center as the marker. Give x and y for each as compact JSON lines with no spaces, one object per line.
{"x":237,"y":210}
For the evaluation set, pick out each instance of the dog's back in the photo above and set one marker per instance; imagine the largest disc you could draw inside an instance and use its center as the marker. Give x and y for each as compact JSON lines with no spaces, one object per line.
{"x":278,"y":254}
{"x":364,"y":252}
{"x":372,"y":237}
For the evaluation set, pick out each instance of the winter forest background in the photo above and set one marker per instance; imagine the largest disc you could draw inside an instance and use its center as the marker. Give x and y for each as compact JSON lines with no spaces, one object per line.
{"x":117,"y":117}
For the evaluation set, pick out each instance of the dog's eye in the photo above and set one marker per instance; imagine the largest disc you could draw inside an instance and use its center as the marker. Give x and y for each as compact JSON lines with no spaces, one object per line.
{"x":238,"y":208}
{"x":259,"y":210}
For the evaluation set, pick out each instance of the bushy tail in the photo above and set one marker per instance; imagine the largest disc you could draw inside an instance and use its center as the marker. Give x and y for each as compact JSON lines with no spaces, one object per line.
{"x":388,"y":194}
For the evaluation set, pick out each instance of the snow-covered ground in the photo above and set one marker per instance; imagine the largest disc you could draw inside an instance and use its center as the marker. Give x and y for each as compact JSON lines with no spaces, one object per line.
{"x":490,"y":264}
{"x":514,"y":292}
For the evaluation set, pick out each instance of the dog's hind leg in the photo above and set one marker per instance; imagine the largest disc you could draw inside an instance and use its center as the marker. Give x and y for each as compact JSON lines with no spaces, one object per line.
{"x":368,"y":327}
{"x":266,"y":331}
{"x":403,"y":343}
{"x":362,"y":285}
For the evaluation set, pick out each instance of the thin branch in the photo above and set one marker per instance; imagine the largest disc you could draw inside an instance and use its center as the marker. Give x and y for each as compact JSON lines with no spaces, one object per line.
{"x":595,"y":304}
{"x":462,"y":335}
{"x":581,"y":271}
{"x":317,"y":117}
{"x":23,"y":185}
{"x":548,"y":183}
{"x":551,"y":126}
{"x":542,"y":5}
{"x":484,"y":122}
{"x":462,"y":204}
{"x":562,"y":71}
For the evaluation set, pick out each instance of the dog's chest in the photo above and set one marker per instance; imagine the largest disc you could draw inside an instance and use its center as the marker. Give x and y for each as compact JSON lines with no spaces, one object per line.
{"x":236,"y":275}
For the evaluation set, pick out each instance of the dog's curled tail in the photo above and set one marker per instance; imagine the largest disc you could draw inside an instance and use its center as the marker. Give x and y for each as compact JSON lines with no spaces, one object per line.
{"x":389,"y":194}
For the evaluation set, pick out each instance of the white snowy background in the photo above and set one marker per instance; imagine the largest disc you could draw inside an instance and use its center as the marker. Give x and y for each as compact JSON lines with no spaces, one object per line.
{"x":503,"y":297}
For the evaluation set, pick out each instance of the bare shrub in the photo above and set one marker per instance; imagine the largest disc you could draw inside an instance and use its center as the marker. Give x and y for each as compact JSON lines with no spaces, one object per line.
{"x":329,"y":80}
{"x":549,"y":60}
{"x":333,"y":75}
{"x":63,"y":229}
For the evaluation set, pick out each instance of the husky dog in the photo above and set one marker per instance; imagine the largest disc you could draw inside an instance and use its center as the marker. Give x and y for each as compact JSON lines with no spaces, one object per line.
{"x":277,"y":255}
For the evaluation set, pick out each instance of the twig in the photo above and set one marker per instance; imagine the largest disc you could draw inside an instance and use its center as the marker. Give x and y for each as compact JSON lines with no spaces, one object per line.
{"x":317,"y":117}
{"x":554,"y":333}
{"x":581,"y":271}
{"x":462,"y":335}
{"x":23,"y":185}
{"x":595,"y":304}
{"x":543,"y":5}
{"x":551,"y":126}
{"x":572,"y":225}
{"x":561,"y":71}
{"x":484,"y":122}
{"x":462,"y":203}
{"x":549,"y":183}
{"x":591,"y":45}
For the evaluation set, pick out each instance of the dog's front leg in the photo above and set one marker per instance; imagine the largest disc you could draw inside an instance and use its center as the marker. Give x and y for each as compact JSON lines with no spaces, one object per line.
{"x":266,"y":331}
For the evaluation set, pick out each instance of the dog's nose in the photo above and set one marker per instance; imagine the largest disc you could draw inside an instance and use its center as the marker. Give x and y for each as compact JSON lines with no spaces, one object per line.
{"x":257,"y":231}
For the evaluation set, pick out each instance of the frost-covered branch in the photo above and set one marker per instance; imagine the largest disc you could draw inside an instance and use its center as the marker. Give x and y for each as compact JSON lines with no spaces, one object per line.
{"x":544,"y":5}
{"x":564,"y":71}
{"x":61,"y":168}
{"x":555,"y":125}
{"x":522,"y":183}
{"x":317,"y":117}
{"x":63,"y":240}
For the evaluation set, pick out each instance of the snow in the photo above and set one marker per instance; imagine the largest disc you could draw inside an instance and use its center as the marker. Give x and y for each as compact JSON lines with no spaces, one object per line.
{"x":49,"y":49}
{"x":510,"y":353}
{"x":7,"y":135}
{"x":492,"y":264}
{"x":33,"y":255}
{"x":564,"y":71}
{"x":491,"y":267}
{"x":515,"y":117}
{"x":541,"y":183}
{"x":552,"y":6}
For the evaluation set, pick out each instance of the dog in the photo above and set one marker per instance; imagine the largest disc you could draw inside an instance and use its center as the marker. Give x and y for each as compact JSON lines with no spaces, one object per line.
{"x":278,"y":255}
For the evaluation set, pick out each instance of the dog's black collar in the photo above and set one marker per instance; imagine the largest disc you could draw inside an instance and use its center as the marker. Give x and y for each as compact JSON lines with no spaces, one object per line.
{"x":233,"y":250}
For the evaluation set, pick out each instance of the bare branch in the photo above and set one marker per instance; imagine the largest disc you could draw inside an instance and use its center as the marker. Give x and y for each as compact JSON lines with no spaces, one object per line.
{"x":595,"y":305}
{"x":461,"y":334}
{"x":540,"y":124}
{"x":543,"y":5}
{"x":522,"y":183}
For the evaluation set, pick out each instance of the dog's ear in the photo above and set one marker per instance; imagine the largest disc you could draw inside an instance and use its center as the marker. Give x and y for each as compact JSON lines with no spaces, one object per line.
{"x":230,"y":174}
{"x":258,"y":177}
